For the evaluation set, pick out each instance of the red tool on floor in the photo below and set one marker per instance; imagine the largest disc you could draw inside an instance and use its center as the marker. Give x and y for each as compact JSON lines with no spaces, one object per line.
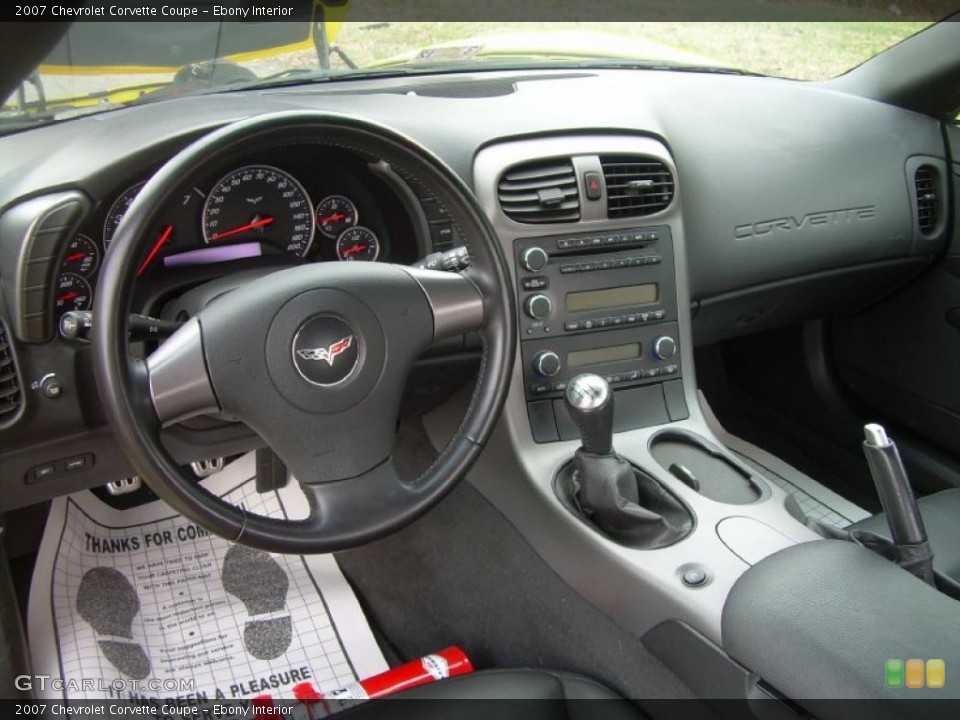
{"x":437,"y":666}
{"x":446,"y":663}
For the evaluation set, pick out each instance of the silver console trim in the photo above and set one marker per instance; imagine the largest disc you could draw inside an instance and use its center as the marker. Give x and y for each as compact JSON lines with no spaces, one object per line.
{"x":637,"y":588}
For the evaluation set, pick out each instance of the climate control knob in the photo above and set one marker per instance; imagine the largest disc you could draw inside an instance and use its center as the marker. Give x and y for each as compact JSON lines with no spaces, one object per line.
{"x":538,"y":306}
{"x":664,"y":347}
{"x":546,"y":363}
{"x":534,"y":259}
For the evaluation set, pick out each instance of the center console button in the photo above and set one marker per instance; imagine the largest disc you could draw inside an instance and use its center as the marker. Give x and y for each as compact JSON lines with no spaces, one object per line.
{"x":664,"y":347}
{"x":593,"y":185}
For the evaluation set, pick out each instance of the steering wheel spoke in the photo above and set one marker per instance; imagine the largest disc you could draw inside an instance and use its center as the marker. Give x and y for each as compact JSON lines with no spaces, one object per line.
{"x":180,"y":385}
{"x":456,"y":303}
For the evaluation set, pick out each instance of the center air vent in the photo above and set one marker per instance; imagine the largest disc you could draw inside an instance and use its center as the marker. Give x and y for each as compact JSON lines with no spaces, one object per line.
{"x":540,"y":192}
{"x":10,"y":396}
{"x":637,"y":185}
{"x":928,"y":205}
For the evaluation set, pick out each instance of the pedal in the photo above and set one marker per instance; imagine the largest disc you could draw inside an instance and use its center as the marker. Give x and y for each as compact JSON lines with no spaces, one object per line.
{"x":124,"y":486}
{"x":206,"y":468}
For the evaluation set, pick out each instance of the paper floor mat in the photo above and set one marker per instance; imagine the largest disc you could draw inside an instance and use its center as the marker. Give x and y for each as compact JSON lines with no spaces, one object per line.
{"x":129,"y":603}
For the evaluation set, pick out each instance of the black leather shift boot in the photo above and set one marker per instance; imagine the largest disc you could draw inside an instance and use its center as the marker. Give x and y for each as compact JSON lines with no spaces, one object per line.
{"x":622,"y":501}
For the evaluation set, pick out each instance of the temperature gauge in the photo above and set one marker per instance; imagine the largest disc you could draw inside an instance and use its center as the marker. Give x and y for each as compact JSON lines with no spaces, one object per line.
{"x":73,"y":293}
{"x":358,"y":243}
{"x":82,"y":257}
{"x":335,"y":214}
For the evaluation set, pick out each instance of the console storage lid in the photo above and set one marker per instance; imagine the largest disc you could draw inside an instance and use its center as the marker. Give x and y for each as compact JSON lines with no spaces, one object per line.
{"x":819,"y":620}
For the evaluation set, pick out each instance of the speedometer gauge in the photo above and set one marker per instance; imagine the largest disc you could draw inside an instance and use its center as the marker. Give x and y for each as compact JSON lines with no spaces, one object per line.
{"x":358,"y":243}
{"x":259,"y":203}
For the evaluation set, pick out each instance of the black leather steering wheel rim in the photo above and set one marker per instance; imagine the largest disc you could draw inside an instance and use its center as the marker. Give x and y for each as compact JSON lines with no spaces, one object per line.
{"x":348,"y":511}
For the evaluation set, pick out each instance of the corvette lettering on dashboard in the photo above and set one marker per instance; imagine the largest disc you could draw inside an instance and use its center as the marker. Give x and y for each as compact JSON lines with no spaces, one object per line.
{"x":811,"y":220}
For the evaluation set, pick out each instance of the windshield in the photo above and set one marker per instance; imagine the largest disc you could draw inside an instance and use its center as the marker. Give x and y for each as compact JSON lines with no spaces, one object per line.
{"x":99,"y":66}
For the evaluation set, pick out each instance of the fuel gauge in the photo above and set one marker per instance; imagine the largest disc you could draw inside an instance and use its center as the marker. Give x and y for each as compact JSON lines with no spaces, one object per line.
{"x":82,"y":257}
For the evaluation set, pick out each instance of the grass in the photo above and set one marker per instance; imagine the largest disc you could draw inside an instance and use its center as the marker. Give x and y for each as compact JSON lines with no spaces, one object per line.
{"x":801,"y":50}
{"x":837,"y":37}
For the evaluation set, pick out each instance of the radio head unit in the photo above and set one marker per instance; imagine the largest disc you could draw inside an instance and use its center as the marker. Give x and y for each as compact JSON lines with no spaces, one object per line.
{"x":604,"y":303}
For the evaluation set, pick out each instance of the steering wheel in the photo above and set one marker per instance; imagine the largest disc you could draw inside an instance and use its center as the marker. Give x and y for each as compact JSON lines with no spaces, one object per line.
{"x":312,"y":358}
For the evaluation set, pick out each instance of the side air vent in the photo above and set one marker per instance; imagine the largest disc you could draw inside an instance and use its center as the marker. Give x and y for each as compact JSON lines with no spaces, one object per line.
{"x":10,"y":395}
{"x":540,"y":192}
{"x":637,"y":185}
{"x":928,"y":203}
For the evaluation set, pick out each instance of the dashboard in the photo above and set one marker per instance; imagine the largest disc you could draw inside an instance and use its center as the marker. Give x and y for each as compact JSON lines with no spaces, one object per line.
{"x":283,"y":207}
{"x":792,"y":201}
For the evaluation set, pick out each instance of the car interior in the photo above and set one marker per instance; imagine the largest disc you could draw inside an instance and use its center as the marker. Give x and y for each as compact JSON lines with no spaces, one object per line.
{"x":633,"y":383}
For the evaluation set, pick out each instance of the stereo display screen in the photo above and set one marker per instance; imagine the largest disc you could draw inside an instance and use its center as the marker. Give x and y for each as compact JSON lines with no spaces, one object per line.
{"x":595,"y":356}
{"x":613,"y":297}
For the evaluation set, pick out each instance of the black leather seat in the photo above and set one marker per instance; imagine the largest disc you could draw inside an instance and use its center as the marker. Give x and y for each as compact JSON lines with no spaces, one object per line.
{"x":556,"y":695}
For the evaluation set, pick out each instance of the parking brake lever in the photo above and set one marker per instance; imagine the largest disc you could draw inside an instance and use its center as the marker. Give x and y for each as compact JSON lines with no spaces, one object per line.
{"x":899,"y":503}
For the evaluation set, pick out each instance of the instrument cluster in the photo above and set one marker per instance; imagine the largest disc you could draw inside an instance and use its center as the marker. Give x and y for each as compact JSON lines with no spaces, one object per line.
{"x":252,"y":210}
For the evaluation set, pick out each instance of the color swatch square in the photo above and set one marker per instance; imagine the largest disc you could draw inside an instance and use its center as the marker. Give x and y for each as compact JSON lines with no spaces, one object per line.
{"x":936,"y":673}
{"x":914,"y":673}
{"x":894,"y":673}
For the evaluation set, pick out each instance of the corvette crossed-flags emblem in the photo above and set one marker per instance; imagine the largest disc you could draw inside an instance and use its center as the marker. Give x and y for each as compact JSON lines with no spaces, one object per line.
{"x":327,"y":353}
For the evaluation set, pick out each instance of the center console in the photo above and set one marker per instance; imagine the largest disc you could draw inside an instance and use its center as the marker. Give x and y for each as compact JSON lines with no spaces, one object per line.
{"x":660,"y":529}
{"x":604,"y":303}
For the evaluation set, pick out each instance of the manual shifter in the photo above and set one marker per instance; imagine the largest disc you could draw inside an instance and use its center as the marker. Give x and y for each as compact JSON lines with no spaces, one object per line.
{"x":619,"y":499}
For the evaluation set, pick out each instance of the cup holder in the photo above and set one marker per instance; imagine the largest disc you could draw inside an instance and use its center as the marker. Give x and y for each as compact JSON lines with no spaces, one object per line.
{"x":705,"y":468}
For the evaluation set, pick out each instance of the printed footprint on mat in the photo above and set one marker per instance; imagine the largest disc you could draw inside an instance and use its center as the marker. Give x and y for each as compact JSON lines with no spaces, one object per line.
{"x":255,"y":578}
{"x":109,"y":603}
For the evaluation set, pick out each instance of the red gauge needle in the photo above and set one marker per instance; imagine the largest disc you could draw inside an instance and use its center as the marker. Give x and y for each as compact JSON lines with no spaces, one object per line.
{"x":67,"y":296}
{"x":354,"y":250}
{"x":161,"y":241}
{"x":262,"y":222}
{"x":74,"y":257}
{"x":333,"y":218}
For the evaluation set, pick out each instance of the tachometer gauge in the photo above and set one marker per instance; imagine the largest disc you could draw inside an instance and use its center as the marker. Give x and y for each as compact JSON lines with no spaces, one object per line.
{"x":118,"y":210}
{"x":358,"y":243}
{"x":82,"y":257}
{"x":176,"y":229}
{"x":336,"y":213}
{"x":259,"y":203}
{"x":73,"y":293}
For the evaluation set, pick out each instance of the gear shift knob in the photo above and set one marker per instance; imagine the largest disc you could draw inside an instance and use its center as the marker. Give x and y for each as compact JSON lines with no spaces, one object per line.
{"x":590,"y":403}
